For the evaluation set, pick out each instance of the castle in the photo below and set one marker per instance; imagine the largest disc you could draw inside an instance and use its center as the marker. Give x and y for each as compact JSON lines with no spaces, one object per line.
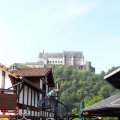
{"x":66,"y":58}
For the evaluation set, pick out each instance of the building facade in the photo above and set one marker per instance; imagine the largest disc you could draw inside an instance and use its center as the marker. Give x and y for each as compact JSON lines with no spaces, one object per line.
{"x":30,"y":86}
{"x":66,"y":58}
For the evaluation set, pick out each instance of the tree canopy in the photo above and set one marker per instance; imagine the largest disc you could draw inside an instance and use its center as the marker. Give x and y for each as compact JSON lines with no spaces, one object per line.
{"x":77,"y":85}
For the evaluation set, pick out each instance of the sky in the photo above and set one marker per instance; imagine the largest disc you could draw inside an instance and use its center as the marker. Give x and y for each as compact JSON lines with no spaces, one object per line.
{"x":91,"y":26}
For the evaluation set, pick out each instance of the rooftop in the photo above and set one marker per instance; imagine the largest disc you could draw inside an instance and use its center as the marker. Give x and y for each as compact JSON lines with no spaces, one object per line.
{"x":107,"y":107}
{"x":32,"y":72}
{"x":114,"y":78}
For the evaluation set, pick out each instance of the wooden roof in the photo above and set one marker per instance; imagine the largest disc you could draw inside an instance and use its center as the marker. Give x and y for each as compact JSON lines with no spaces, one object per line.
{"x":114,"y":78}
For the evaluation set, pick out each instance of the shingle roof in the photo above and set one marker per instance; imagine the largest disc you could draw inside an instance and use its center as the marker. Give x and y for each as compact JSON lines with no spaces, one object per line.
{"x":108,"y":103}
{"x":61,"y":55}
{"x":114,"y":78}
{"x":32,"y":72}
{"x":73,"y":53}
{"x":53,"y":55}
{"x":107,"y":107}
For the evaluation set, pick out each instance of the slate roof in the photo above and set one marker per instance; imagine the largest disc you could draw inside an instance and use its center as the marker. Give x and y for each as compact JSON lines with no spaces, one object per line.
{"x":109,"y":106}
{"x":108,"y":103}
{"x":73,"y":53}
{"x":114,"y":78}
{"x":53,"y":55}
{"x":60,"y":55}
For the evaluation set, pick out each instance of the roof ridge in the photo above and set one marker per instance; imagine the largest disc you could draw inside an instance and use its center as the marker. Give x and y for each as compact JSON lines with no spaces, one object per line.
{"x":7,"y":69}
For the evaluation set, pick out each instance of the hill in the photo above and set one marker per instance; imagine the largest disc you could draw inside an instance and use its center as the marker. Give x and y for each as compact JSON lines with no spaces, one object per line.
{"x":79,"y":85}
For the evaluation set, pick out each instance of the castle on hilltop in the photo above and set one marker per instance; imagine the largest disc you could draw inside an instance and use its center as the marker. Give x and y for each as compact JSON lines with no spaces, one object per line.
{"x":66,"y":58}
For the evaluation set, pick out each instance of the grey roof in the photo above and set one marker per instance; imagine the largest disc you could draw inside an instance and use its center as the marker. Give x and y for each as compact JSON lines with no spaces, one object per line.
{"x":108,"y":103}
{"x":53,"y":55}
{"x":114,"y":78}
{"x":112,"y":73}
{"x":73,"y":53}
{"x":60,"y":55}
{"x":34,"y":63}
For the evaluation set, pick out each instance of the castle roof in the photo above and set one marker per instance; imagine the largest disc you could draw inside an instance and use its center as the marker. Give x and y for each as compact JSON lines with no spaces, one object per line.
{"x":61,"y":55}
{"x":73,"y":53}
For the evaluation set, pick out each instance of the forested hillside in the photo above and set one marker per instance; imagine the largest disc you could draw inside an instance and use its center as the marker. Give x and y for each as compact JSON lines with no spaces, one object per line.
{"x":79,"y":85}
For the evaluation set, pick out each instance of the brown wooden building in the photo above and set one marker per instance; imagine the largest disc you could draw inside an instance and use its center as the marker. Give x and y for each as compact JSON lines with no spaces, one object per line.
{"x":28,"y":86}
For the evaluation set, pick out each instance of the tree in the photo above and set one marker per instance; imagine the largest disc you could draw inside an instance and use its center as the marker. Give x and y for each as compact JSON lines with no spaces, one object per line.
{"x":19,"y":65}
{"x":77,"y":85}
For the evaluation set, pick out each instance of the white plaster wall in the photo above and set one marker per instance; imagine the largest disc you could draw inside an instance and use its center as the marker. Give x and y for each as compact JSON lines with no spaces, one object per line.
{"x":41,"y":82}
{"x":7,"y":81}
{"x":29,"y":100}
{"x":32,"y":113}
{"x":32,"y":98}
{"x":21,"y":96}
{"x":20,"y":111}
{"x":25,"y":94}
{"x":46,"y":88}
{"x":35,"y":113}
{"x":36,"y":99}
{"x":40,"y":96}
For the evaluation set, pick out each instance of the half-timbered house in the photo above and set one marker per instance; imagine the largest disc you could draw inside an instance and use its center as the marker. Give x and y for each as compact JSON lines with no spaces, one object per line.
{"x":29,"y":85}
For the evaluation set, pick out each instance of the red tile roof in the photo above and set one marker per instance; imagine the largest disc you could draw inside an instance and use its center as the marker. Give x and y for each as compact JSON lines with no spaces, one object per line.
{"x":8,"y":70}
{"x":30,"y":72}
{"x":34,"y":72}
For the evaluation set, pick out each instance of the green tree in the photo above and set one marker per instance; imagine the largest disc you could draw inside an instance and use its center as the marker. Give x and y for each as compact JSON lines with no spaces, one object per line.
{"x":18,"y":65}
{"x":77,"y":85}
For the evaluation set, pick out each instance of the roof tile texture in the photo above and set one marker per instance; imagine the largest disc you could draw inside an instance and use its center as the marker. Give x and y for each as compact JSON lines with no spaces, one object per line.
{"x":32,"y":71}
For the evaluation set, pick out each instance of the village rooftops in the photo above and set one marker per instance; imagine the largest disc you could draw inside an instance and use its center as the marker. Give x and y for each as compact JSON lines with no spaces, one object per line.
{"x":31,"y":73}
